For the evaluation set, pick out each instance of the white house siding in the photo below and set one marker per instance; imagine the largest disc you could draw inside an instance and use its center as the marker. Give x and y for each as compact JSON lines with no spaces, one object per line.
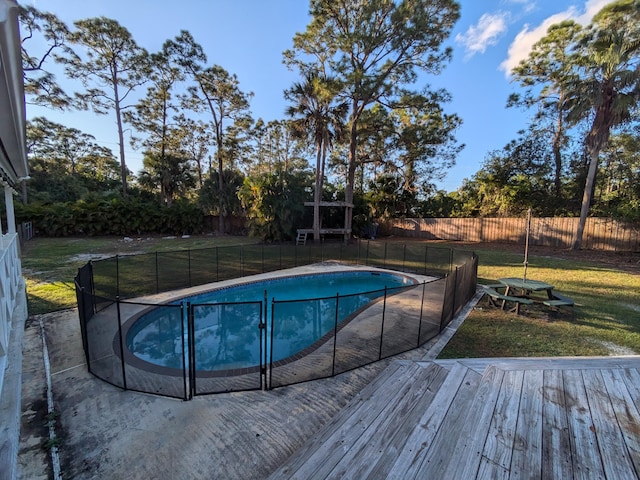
{"x":13,"y":170}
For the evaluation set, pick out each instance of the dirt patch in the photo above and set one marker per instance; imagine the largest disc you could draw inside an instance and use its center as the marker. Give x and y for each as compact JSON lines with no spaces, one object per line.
{"x":85,"y":257}
{"x":615,"y":349}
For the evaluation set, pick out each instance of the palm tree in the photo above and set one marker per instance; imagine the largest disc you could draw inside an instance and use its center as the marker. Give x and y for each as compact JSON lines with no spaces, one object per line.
{"x":317,"y":118}
{"x":608,"y":87}
{"x":547,"y":65}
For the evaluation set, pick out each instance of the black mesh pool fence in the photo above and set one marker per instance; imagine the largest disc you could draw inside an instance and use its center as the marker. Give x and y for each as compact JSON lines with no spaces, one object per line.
{"x":200,"y":348}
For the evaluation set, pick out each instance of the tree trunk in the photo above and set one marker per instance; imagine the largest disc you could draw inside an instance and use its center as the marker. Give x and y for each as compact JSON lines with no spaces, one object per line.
{"x":317,"y":195}
{"x":23,"y":187}
{"x":123,"y":165}
{"x":199,"y":168}
{"x":221,"y":213}
{"x":557,"y":154}
{"x":597,"y":138}
{"x":586,"y":197}
{"x":351,"y":172}
{"x":164,"y":167}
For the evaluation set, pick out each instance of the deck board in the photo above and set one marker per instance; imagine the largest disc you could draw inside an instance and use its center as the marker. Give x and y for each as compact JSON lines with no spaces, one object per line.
{"x":374,"y":455}
{"x":526,"y":460}
{"x":409,"y":460}
{"x":434,"y":456}
{"x":470,"y":443}
{"x":557,"y":456}
{"x":632,"y":380}
{"x":611,"y":445}
{"x":581,"y":430}
{"x":327,"y":450}
{"x":496,"y":457}
{"x":526,"y":418}
{"x":626,"y":413}
{"x":343,"y":419}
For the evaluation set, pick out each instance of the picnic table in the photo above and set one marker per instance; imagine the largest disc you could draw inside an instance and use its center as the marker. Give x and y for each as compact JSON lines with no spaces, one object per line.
{"x":525,"y":288}
{"x":520,"y":292}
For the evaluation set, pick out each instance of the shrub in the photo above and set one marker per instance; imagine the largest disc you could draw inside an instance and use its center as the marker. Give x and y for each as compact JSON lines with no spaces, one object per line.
{"x":112,"y":217}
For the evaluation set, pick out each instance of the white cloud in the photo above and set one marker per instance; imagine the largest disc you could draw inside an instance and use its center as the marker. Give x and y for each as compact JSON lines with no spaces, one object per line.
{"x":522,"y":44}
{"x":590,"y":9}
{"x":484,"y":34}
{"x":527,"y":5}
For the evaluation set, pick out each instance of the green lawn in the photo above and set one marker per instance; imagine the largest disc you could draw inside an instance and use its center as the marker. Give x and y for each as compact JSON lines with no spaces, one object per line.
{"x":50,"y":264}
{"x":605,"y":320}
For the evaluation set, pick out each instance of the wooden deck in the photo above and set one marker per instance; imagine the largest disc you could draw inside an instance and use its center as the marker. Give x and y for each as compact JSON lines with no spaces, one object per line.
{"x":542,"y":418}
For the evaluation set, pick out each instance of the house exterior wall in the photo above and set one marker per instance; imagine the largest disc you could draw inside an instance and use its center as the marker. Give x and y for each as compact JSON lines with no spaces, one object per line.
{"x":13,"y":170}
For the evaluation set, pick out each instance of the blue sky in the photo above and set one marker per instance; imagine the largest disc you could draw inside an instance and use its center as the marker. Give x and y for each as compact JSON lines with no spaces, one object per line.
{"x":247,"y":38}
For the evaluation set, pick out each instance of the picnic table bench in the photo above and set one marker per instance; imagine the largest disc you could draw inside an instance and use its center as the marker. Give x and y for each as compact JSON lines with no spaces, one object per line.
{"x":494,"y":295}
{"x":559,"y":300}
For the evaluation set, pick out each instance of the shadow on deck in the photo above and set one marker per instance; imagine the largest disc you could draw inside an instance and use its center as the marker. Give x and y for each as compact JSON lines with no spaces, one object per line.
{"x":484,"y":418}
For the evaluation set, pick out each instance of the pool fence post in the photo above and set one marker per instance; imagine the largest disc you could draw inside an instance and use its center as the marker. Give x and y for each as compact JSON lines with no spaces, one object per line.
{"x":384,"y":262}
{"x":384,"y":308}
{"x":157,"y":281}
{"x":424,"y":286}
{"x":450,"y":260}
{"x":83,"y":320}
{"x":242,"y":260}
{"x":92,"y":286}
{"x":453,"y":300}
{"x":273,"y":307}
{"x":262,"y":246}
{"x":366,"y":262}
{"x":189,"y":265}
{"x":404,"y":255}
{"x":85,"y":335}
{"x":184,"y":360}
{"x":217,"y":265}
{"x":117,"y":275}
{"x":124,"y":374}
{"x":456,"y":297}
{"x":426,"y":258}
{"x":263,"y":343}
{"x":191,"y":350}
{"x":335,"y":337}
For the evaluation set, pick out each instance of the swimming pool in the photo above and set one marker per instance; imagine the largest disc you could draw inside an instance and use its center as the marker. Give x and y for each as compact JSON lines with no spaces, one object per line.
{"x":297,"y":312}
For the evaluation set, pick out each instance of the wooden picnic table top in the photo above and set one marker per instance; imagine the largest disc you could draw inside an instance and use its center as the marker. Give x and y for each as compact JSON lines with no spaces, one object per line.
{"x":529,"y":285}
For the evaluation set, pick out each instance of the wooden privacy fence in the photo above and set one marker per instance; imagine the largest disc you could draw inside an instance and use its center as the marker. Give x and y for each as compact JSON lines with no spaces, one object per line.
{"x":599,"y":233}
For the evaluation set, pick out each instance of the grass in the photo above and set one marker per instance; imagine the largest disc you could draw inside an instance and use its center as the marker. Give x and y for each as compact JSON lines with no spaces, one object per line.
{"x":606,"y":318}
{"x":50,"y":264}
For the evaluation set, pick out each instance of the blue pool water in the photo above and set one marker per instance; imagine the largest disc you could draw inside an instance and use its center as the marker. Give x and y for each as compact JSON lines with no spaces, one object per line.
{"x":226,"y":321}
